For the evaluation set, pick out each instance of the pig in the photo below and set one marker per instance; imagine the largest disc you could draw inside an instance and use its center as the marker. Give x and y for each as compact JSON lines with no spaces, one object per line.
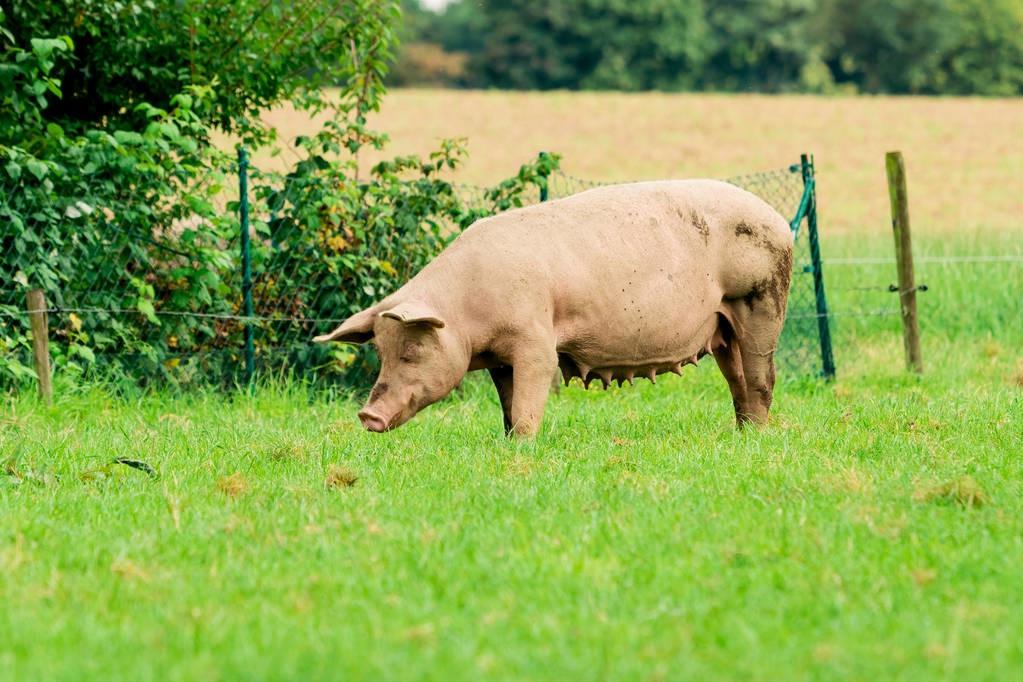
{"x":614,"y":283}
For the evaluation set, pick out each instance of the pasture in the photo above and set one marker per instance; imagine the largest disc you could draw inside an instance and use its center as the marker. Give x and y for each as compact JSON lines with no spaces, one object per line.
{"x":872,"y":530}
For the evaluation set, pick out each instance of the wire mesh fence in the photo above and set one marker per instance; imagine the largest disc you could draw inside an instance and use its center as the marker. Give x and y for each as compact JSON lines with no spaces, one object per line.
{"x":177,"y":303}
{"x":804,"y":348}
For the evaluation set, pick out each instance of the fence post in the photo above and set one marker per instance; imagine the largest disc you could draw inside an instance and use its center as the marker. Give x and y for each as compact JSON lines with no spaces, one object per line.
{"x":543,"y":185}
{"x":36,"y":305}
{"x":823,"y":324}
{"x":895,"y":165}
{"x":556,"y":379}
{"x":243,"y":219}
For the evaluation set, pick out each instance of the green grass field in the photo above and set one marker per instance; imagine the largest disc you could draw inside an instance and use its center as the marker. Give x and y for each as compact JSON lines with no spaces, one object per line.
{"x":873,"y":530}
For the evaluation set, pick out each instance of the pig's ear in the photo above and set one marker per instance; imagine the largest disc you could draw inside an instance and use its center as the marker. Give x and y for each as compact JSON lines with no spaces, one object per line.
{"x":414,"y":312}
{"x":356,"y":329}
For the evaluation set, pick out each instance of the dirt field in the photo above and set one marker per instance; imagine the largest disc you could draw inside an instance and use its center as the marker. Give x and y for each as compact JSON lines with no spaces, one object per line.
{"x":965,"y":156}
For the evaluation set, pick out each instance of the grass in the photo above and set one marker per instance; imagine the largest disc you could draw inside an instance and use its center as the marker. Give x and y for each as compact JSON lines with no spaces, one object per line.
{"x":873,"y":530}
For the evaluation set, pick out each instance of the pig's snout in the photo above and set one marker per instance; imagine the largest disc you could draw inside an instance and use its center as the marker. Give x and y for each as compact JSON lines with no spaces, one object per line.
{"x":372,"y":421}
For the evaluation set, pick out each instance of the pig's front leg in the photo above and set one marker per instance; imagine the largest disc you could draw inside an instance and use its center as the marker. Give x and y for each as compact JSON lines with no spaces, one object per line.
{"x":502,"y":377}
{"x":531,"y":376}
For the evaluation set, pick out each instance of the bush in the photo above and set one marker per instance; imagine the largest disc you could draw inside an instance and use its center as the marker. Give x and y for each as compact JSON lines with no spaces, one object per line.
{"x":129,"y":221}
{"x":88,"y":216}
{"x":333,"y":244}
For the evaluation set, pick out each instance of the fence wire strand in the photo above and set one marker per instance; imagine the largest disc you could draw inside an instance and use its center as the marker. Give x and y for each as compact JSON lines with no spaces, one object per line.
{"x":206,"y":334}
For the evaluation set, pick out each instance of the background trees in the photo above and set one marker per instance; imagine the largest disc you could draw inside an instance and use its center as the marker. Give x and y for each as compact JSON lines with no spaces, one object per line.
{"x":596,"y":44}
{"x":876,"y":46}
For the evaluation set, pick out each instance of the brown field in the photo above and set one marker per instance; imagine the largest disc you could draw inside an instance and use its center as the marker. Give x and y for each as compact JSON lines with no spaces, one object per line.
{"x":965,"y":156}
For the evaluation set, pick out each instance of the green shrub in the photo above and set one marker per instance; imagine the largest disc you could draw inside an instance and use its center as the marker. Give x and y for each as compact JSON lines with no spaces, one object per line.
{"x":333,"y":244}
{"x":129,"y":221}
{"x":89,"y":217}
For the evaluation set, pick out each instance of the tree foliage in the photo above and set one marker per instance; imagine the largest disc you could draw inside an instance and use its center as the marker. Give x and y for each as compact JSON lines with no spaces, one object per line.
{"x":599,"y":44}
{"x":116,"y":202}
{"x":897,"y":46}
{"x":253,"y":54}
{"x":765,"y":45}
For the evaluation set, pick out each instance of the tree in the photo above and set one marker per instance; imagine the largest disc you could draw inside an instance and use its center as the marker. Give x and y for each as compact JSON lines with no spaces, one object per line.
{"x":593,"y":44}
{"x":925,"y":46}
{"x":759,"y":45}
{"x":986,"y":53}
{"x":886,"y":45}
{"x":252,"y":54}
{"x":112,"y":192}
{"x":894,"y":46}
{"x":434,"y":45}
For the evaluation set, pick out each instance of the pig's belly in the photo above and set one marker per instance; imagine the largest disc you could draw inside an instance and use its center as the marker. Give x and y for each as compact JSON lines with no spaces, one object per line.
{"x":640,"y":329}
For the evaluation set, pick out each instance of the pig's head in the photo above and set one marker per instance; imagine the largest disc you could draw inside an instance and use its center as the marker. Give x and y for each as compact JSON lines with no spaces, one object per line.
{"x":421,"y":360}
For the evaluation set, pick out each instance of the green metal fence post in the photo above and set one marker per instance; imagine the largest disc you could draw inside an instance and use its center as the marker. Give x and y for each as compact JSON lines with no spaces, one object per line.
{"x":823,"y":324}
{"x":543,"y":185}
{"x":243,"y":219}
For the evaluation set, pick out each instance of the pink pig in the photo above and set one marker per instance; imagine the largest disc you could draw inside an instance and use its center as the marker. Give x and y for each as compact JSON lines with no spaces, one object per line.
{"x":613,"y":283}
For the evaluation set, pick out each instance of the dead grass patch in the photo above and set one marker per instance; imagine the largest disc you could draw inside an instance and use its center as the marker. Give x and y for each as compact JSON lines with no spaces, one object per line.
{"x":129,"y":570}
{"x":841,"y":391}
{"x":173,"y":508}
{"x":825,"y":652}
{"x":284,"y":450}
{"x":519,"y":466}
{"x":339,"y":428}
{"x":8,"y":468}
{"x":15,"y":555}
{"x":621,"y":463}
{"x":233,"y":486}
{"x":176,"y":419}
{"x":852,"y":480}
{"x":992,"y":349}
{"x":923,"y":576}
{"x":963,"y":491}
{"x":340,"y":477}
{"x":238,"y":524}
{"x":423,"y":633}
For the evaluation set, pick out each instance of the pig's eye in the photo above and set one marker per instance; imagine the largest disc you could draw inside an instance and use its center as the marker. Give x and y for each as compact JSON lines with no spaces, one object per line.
{"x":411,"y":353}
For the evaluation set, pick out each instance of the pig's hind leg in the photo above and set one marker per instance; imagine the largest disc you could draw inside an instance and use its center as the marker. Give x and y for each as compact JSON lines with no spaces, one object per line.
{"x":729,"y":359}
{"x":756,"y":340}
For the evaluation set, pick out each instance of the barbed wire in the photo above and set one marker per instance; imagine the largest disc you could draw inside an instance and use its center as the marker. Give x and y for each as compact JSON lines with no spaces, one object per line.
{"x":888,"y":289}
{"x":175,"y":313}
{"x":883,"y":312}
{"x":926,"y":259}
{"x":280,"y":326}
{"x":313,"y":320}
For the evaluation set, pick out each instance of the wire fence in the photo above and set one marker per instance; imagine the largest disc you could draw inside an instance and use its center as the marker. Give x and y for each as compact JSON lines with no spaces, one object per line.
{"x":147,"y":318}
{"x":179,"y":304}
{"x":940,"y":260}
{"x":805,"y":345}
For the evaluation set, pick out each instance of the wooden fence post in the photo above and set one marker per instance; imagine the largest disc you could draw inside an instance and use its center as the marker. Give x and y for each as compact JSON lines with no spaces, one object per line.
{"x":896,"y":167}
{"x":40,"y":342}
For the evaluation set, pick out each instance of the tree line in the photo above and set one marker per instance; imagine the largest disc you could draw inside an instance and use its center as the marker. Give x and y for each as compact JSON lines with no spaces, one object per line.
{"x":961,"y":47}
